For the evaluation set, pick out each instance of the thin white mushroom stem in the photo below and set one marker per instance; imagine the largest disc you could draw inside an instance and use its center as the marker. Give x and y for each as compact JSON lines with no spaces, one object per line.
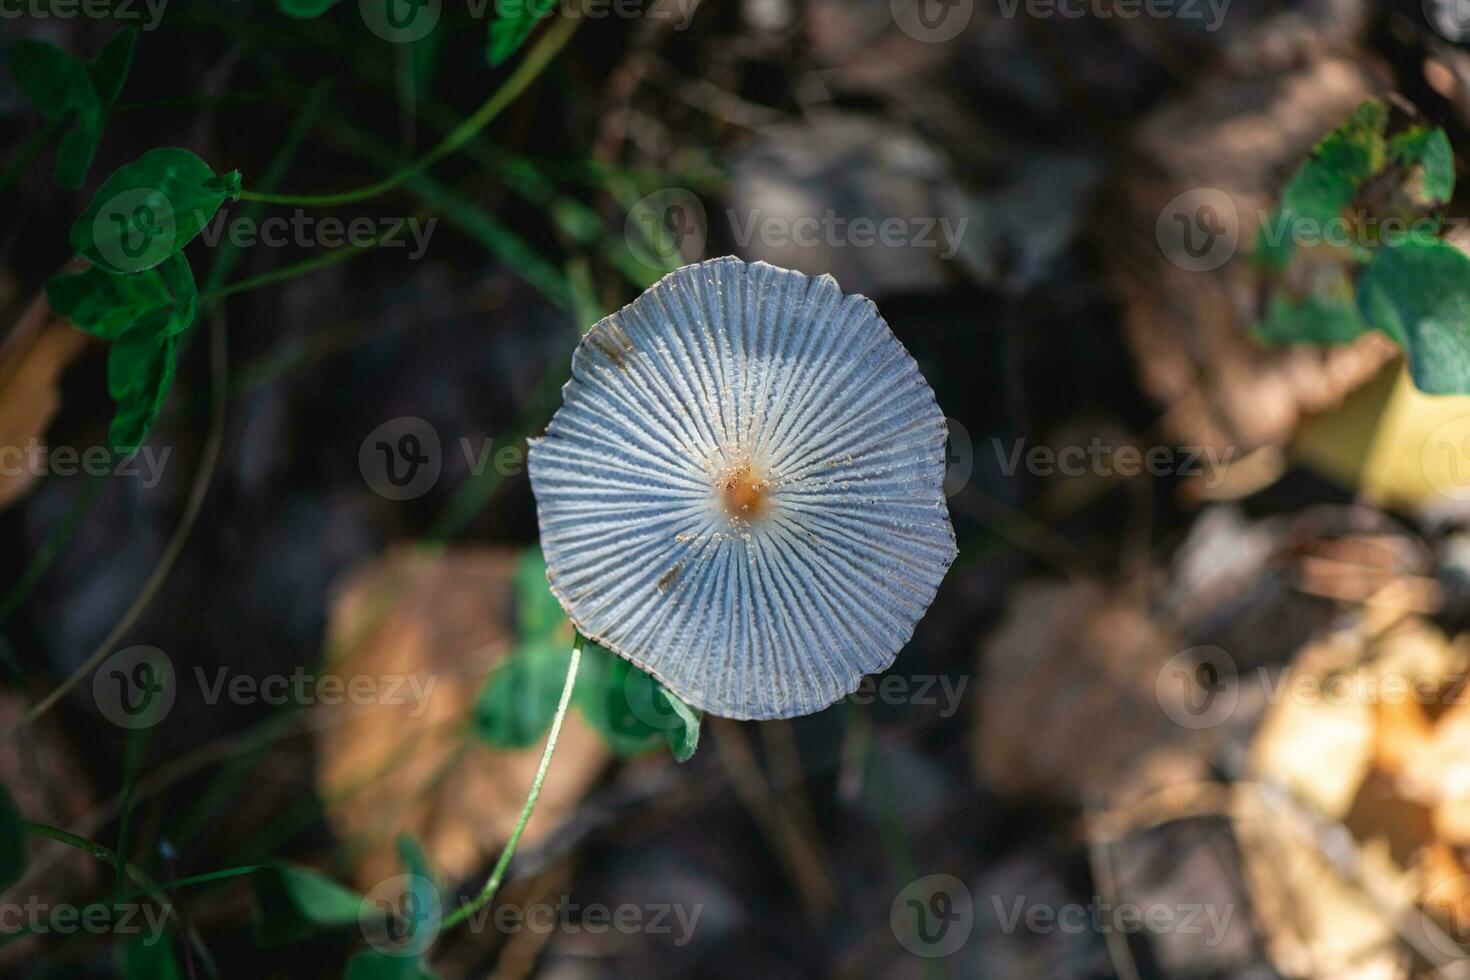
{"x":492,"y":885}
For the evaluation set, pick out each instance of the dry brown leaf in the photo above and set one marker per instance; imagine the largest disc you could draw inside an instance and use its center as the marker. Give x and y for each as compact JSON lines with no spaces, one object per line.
{"x":1319,"y":746}
{"x":1318,"y":922}
{"x":445,"y":619}
{"x":1371,"y":742}
{"x":33,"y":358}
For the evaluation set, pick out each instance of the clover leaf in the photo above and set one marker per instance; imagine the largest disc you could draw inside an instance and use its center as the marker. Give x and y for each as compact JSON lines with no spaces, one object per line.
{"x":140,"y":372}
{"x":630,"y":709}
{"x":517,"y":704}
{"x":627,"y":707}
{"x":1419,"y":294}
{"x":143,"y":314}
{"x":65,"y":89}
{"x":1355,"y":245}
{"x":106,"y":305}
{"x":150,"y":209}
{"x":294,"y":902}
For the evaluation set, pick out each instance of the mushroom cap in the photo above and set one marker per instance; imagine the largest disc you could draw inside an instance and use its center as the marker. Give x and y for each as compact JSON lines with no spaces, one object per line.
{"x":742,"y":492}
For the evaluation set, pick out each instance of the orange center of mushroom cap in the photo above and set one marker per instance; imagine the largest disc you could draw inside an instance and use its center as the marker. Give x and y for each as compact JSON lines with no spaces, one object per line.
{"x":744,"y":490}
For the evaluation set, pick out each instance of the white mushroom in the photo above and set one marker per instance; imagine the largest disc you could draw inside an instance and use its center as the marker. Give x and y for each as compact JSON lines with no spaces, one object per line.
{"x":742,"y":493}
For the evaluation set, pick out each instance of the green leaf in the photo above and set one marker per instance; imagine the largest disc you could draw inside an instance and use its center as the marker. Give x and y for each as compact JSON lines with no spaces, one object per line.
{"x":51,"y":79}
{"x":1426,"y":153}
{"x":1325,"y":312}
{"x":148,"y":958}
{"x":416,"y":862}
{"x":421,"y":909}
{"x":178,"y":277}
{"x":160,"y":301}
{"x":150,"y":209}
{"x":369,"y":964}
{"x":1325,"y":186}
{"x":538,"y":615}
{"x":1419,"y":294}
{"x":64,"y":88}
{"x":292,"y":903}
{"x":630,"y":709}
{"x":14,"y":851}
{"x":77,"y":148}
{"x":140,"y":372}
{"x":109,"y":70}
{"x":683,"y":738}
{"x":519,"y":699}
{"x":60,"y":87}
{"x":509,"y":30}
{"x":306,"y":9}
